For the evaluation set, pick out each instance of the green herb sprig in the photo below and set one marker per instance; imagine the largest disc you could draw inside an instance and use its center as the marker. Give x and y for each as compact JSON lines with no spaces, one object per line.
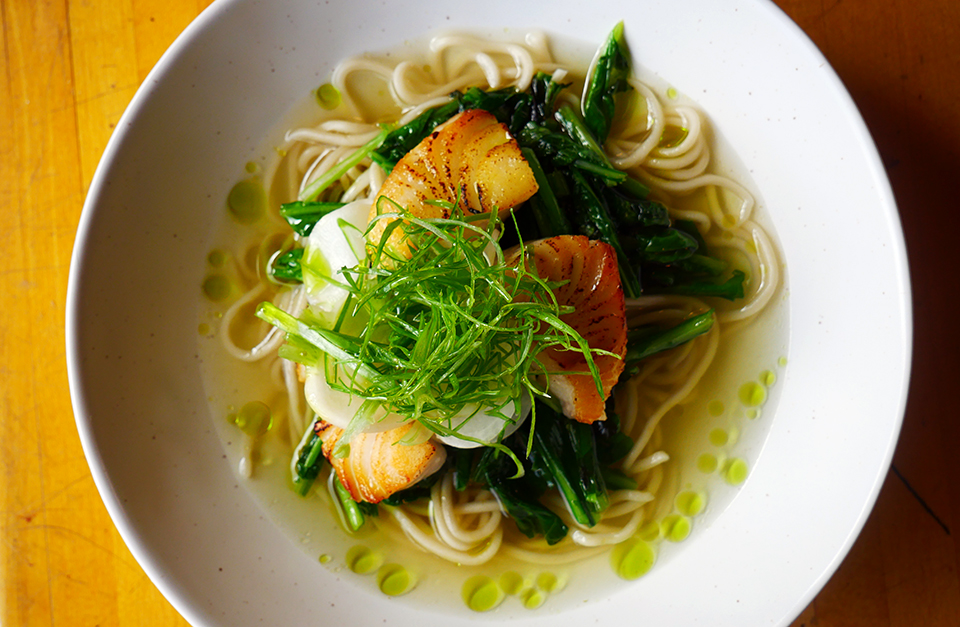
{"x":453,"y":327}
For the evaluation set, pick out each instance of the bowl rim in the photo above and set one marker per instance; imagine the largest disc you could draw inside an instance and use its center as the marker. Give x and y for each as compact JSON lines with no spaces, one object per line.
{"x":205,"y":20}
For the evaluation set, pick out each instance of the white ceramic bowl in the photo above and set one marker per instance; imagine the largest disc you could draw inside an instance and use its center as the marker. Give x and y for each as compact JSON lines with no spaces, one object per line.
{"x":132,"y":335}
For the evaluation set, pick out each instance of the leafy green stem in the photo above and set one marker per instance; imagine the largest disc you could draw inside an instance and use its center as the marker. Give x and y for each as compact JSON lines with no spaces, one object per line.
{"x":328,"y":178}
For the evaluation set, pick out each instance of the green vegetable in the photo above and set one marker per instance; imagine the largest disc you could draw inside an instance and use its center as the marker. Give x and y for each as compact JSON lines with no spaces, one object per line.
{"x":659,"y":244}
{"x":564,"y":454}
{"x":595,"y":157}
{"x":631,"y":212}
{"x":502,"y":103}
{"x":404,"y":139}
{"x":531,"y":517}
{"x":700,"y":265}
{"x":595,"y":222}
{"x":544,"y":91}
{"x":508,"y":105}
{"x":677,"y":262}
{"x":636,"y":188}
{"x":607,"y":79}
{"x":286,"y":267}
{"x":731,"y":289}
{"x":309,"y":462}
{"x":611,"y":443}
{"x":353,"y":513}
{"x":642,"y":343}
{"x":519,"y":497}
{"x":462,"y":467}
{"x":300,"y":351}
{"x":617,"y":480}
{"x":551,"y":220}
{"x":690,"y":228}
{"x":303,"y":216}
{"x":563,"y":150}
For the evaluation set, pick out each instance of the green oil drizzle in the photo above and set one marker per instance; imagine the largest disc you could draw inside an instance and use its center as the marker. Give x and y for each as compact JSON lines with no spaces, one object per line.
{"x":632,"y":559}
{"x":327,"y":96}
{"x":548,"y":582}
{"x":768,"y":378}
{"x":481,"y":593}
{"x":217,"y":287}
{"x":650,"y":532}
{"x":672,"y":93}
{"x":252,"y":167}
{"x":735,"y":471}
{"x":707,"y":463}
{"x":532,"y":598}
{"x":326,"y":558}
{"x":394,"y":580}
{"x":511,"y":582}
{"x":690,"y":503}
{"x":254,"y":418}
{"x":675,"y":527}
{"x":753,"y":414}
{"x":782,"y":362}
{"x":672,"y":136}
{"x":216,"y":258}
{"x":247,"y":201}
{"x":363,"y":560}
{"x":752,"y":394}
{"x":718,"y":437}
{"x":715,"y":408}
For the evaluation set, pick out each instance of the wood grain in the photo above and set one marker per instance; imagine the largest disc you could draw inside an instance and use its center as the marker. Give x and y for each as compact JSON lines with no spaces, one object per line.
{"x":70,"y":67}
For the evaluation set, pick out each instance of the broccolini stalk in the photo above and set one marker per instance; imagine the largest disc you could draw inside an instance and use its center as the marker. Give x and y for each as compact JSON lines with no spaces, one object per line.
{"x":642,"y":343}
{"x":564,"y":454}
{"x":551,"y":220}
{"x":731,"y":289}
{"x":531,"y":517}
{"x":402,"y":140}
{"x":519,"y":497}
{"x":659,"y":244}
{"x":308,"y":462}
{"x":608,"y":78}
{"x":598,"y":163}
{"x":595,"y":222}
{"x":617,"y":480}
{"x":352,"y":513}
{"x":631,"y":211}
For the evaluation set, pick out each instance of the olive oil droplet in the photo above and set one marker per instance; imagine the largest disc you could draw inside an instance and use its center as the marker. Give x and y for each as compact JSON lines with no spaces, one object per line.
{"x":481,"y":593}
{"x":752,"y":394}
{"x":632,"y":559}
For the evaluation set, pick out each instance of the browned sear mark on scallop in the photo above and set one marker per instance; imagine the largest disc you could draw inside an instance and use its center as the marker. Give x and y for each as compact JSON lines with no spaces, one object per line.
{"x":471,"y":159}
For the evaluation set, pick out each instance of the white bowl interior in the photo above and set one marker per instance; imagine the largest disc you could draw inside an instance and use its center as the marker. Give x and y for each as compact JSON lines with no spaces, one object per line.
{"x":158,"y":194}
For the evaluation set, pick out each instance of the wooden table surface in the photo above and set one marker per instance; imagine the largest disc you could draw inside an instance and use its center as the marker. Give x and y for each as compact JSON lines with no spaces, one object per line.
{"x":70,"y":67}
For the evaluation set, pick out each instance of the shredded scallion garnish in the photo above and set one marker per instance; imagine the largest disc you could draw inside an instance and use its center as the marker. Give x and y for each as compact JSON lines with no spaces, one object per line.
{"x":453,"y":327}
